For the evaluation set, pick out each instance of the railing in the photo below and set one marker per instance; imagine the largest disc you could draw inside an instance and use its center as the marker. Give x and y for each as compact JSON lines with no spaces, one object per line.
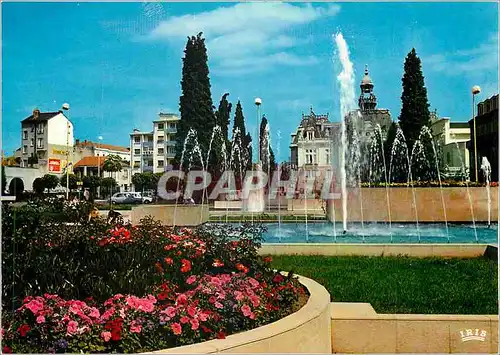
{"x":147,"y":144}
{"x":171,"y":130}
{"x":147,"y":168}
{"x":171,"y":143}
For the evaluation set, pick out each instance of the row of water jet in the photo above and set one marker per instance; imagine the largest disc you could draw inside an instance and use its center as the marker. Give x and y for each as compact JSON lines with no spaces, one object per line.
{"x":279,"y":191}
{"x":192,"y":139}
{"x":462,"y":165}
{"x":265,"y":156}
{"x":427,"y":132}
{"x":399,"y":159}
{"x":235,"y":149}
{"x":216,"y":133}
{"x":486,"y":169}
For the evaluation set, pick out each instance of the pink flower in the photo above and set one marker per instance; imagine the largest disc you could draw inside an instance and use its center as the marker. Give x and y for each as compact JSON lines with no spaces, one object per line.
{"x":191,"y":279}
{"x":106,"y":336}
{"x":181,"y":299}
{"x":34,"y":306}
{"x":40,"y":319}
{"x":170,"y":311}
{"x":218,"y":305}
{"x":72,"y":327}
{"x":184,"y":320}
{"x":191,"y":311}
{"x":194,"y":324}
{"x":94,"y":312}
{"x":255,"y":301}
{"x":203,"y":317}
{"x":108,"y":313}
{"x":212,"y":299}
{"x":135,"y":327}
{"x":238,"y":295}
{"x":253,"y":282}
{"x":176,"y":328}
{"x":245,"y":309}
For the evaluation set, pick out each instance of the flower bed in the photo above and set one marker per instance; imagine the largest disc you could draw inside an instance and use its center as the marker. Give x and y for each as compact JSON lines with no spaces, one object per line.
{"x":138,"y":289}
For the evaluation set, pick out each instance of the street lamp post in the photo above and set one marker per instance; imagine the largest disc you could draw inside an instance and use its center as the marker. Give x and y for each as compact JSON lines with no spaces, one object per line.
{"x":99,"y":167}
{"x":258,"y":102}
{"x":65,"y":107}
{"x":475,"y":90}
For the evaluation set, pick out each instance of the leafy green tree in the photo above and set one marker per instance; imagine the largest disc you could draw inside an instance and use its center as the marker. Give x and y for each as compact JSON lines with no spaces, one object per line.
{"x":219,"y":154}
{"x":113,"y":163}
{"x":92,"y":183}
{"x":108,"y":185}
{"x":138,"y":179}
{"x":415,"y":106}
{"x":73,"y":181}
{"x":50,"y":181}
{"x":196,"y":106}
{"x":39,"y":186}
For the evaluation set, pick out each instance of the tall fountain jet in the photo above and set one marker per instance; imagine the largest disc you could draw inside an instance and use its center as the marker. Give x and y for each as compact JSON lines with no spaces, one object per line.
{"x":347,"y":104}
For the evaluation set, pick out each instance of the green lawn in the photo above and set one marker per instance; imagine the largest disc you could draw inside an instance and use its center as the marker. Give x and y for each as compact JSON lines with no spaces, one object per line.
{"x":403,"y":284}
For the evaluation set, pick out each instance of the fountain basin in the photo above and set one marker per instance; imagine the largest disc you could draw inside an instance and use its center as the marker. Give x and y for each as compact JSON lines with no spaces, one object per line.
{"x":428,"y":201}
{"x":184,"y":215}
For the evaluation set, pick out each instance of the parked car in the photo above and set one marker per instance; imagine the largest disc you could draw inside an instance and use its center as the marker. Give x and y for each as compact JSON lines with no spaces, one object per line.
{"x":122,"y":197}
{"x":140,"y":198}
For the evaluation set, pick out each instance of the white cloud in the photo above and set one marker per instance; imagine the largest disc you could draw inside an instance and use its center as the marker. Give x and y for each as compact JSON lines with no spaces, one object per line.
{"x":481,"y":58}
{"x":247,"y":37}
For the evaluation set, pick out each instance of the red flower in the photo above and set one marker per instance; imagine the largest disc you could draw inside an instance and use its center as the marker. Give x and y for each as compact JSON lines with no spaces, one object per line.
{"x":268,"y":259}
{"x":185,"y":265}
{"x":205,"y":329}
{"x":278,"y":278}
{"x":221,"y":335}
{"x":7,"y":350}
{"x":242,"y":267}
{"x":217,"y":263}
{"x":23,"y":329}
{"x":115,"y":335}
{"x":169,"y":261}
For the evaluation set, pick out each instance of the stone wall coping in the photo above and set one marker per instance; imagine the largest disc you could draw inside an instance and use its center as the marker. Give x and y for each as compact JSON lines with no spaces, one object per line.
{"x":318,"y":302}
{"x":358,"y":311}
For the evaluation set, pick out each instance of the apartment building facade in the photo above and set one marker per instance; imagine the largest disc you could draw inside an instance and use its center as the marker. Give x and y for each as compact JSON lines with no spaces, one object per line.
{"x":154,"y":151}
{"x":47,"y":142}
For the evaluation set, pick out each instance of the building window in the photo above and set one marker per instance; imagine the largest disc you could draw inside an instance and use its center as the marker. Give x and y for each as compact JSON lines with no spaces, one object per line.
{"x":448,"y":158}
{"x":25,"y":149}
{"x":310,"y":156}
{"x":137,"y":139}
{"x":160,"y":125}
{"x":160,"y":163}
{"x":25,"y":134}
{"x":40,"y":128}
{"x":39,"y":143}
{"x":137,"y":151}
{"x":160,"y":151}
{"x":32,"y":142}
{"x":310,"y":135}
{"x":160,"y":140}
{"x":327,"y":154}
{"x":137,"y":164}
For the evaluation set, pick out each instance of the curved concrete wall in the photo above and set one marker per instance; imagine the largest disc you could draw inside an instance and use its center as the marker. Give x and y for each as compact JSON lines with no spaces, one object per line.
{"x":428,"y":200}
{"x":306,"y":331}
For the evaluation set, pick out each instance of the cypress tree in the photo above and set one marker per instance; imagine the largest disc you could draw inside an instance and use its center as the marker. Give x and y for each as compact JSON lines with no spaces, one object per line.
{"x":246,"y":139}
{"x":415,"y":107}
{"x":196,"y":106}
{"x":265,"y":148}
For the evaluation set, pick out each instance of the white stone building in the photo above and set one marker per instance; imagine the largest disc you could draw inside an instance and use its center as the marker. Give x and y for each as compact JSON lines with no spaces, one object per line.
{"x":451,"y":138}
{"x":46,"y":141}
{"x":154,"y":151}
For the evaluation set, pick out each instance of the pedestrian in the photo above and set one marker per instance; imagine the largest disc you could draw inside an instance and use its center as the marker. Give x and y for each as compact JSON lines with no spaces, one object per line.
{"x":86,"y":194}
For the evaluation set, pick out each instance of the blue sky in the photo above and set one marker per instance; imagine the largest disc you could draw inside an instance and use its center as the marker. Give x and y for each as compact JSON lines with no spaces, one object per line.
{"x":119,"y":64}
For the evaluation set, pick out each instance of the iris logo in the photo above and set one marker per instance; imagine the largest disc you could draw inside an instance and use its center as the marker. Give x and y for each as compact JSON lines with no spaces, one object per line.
{"x":473,"y":334}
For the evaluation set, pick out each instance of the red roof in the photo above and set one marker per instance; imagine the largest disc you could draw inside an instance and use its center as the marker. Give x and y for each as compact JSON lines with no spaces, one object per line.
{"x":90,"y":161}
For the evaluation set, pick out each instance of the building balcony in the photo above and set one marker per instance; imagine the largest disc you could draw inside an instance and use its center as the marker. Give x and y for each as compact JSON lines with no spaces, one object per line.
{"x":171,"y":130}
{"x":147,"y":168}
{"x":171,"y":143}
{"x":147,"y":144}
